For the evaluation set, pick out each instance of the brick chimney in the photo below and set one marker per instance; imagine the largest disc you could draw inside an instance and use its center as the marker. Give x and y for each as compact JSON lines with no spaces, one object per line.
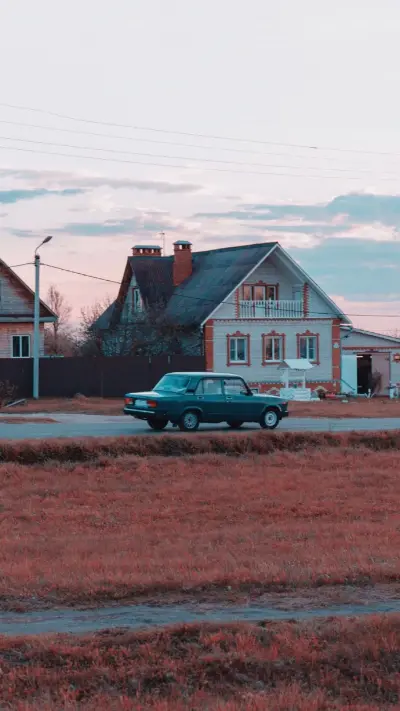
{"x":182,"y":261}
{"x":145,"y":250}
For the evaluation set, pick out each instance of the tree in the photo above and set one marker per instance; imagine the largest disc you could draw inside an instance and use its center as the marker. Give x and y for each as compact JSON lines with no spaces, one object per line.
{"x":58,"y":336}
{"x":88,"y":342}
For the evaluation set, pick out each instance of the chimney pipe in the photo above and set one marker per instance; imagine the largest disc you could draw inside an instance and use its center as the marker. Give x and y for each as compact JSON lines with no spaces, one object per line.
{"x":145,"y":250}
{"x":182,"y":261}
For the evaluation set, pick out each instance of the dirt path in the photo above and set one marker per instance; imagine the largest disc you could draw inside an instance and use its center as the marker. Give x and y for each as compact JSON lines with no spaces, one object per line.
{"x":146,"y":616}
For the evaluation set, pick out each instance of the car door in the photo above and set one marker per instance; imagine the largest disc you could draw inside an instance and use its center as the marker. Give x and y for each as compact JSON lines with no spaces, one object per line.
{"x":241,"y":404}
{"x":211,"y":399}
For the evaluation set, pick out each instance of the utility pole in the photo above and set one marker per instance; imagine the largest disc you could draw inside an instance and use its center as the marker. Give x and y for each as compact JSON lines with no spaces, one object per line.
{"x":36,"y":322}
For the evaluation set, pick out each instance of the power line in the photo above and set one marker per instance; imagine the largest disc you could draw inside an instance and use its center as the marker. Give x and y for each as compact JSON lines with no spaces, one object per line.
{"x":200,"y":298}
{"x":183,"y":167}
{"x":198,"y":160}
{"x":115,"y":136}
{"x":192,"y":134}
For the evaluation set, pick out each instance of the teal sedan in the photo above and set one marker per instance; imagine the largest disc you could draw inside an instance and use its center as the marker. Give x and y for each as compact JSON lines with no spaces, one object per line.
{"x":188,"y":399}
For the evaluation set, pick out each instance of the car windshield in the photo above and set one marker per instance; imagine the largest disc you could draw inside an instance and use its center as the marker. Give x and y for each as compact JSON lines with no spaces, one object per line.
{"x":173,"y":383}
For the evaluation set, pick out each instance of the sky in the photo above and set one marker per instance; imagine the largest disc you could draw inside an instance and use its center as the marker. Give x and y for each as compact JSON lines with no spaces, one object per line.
{"x":223,"y":122}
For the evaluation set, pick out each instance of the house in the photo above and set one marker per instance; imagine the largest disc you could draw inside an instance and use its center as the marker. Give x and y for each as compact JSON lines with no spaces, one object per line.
{"x":247,"y":308}
{"x":365,"y":353}
{"x":16,"y":316}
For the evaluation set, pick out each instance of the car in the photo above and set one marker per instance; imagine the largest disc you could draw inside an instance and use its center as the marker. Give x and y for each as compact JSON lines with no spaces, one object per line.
{"x":188,"y":399}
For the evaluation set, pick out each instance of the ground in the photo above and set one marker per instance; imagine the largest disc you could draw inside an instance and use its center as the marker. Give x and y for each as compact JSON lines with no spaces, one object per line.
{"x":296,"y":520}
{"x":361,"y":407}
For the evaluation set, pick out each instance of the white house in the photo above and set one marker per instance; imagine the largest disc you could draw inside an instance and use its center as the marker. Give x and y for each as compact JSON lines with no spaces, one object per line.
{"x":253,"y":307}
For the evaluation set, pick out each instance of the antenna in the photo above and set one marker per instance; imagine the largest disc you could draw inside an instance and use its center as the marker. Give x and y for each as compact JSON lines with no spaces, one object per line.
{"x":162,"y":234}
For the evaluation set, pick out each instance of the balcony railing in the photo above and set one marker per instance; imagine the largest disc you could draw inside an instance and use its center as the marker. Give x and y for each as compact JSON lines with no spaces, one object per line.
{"x":271,"y":309}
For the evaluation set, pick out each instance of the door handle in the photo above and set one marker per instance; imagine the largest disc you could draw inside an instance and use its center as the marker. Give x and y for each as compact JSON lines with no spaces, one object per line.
{"x":200,"y":397}
{"x":228,"y":397}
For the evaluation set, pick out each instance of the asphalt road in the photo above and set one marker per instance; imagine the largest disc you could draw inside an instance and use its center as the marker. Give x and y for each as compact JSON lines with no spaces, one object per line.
{"x":74,"y":425}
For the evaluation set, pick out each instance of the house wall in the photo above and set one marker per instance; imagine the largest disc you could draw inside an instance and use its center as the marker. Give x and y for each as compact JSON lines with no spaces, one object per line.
{"x":13,"y":297}
{"x":126,"y":315}
{"x":256,"y":372}
{"x":8,"y":330}
{"x":361,"y":341}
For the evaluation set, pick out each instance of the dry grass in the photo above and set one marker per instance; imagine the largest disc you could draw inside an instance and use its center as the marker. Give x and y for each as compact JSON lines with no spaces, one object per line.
{"x":236,"y":444}
{"x":25,"y":420}
{"x":363,"y":407}
{"x":123,"y":527}
{"x":340,"y":665}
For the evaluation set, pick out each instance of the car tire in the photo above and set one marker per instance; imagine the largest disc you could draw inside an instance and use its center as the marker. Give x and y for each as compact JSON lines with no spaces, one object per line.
{"x":157,"y":425}
{"x":234,"y":424}
{"x":270,"y":419}
{"x":189,"y":421}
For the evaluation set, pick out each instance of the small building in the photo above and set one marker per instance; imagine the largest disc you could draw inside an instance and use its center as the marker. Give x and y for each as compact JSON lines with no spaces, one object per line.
{"x":366,"y":354}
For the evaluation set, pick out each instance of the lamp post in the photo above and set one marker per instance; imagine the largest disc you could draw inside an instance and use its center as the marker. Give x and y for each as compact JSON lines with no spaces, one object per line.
{"x":36,"y":321}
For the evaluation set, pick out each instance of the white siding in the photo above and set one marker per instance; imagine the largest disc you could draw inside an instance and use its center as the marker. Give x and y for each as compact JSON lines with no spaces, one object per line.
{"x":318,"y":307}
{"x":256,"y":372}
{"x":394,"y":368}
{"x":126,"y":315}
{"x":362,"y":340}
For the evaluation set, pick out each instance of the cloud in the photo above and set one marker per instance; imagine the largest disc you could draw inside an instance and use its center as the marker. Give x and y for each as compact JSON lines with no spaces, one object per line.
{"x":9,"y":197}
{"x":51,"y":178}
{"x":357,"y":215}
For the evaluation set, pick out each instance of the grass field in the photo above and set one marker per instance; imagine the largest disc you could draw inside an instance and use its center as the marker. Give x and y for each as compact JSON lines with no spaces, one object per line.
{"x":374,"y":407}
{"x":120,"y":527}
{"x":337,"y":665}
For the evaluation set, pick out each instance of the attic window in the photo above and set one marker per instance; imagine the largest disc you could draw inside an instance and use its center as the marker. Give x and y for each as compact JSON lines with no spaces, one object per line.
{"x":136,"y":300}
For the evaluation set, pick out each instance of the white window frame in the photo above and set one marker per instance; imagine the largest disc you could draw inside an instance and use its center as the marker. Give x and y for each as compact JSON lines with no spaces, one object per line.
{"x":235,"y":339}
{"x":308,"y":339}
{"x":273,"y":339}
{"x":136,"y":300}
{"x":20,"y":336}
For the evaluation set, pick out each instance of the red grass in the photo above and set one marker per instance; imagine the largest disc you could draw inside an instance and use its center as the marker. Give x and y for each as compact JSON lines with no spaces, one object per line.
{"x":24,"y":420}
{"x":176,"y":445}
{"x":374,"y":407}
{"x":339,"y":664}
{"x":129,"y":526}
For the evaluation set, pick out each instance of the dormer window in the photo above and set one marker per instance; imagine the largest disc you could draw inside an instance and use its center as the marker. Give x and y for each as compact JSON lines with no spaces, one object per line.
{"x":259,"y":292}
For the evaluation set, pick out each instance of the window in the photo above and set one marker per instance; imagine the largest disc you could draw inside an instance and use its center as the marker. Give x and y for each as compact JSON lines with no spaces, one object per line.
{"x":209,"y":386}
{"x":273,"y":348}
{"x":259,"y":292}
{"x":235,"y":386}
{"x":21,"y":346}
{"x":136,"y":300}
{"x":238,"y":349}
{"x":308,"y":347}
{"x":173,"y":383}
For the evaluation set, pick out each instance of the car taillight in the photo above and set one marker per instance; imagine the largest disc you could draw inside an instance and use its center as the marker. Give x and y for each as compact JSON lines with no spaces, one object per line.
{"x":128,"y":401}
{"x":151,"y":403}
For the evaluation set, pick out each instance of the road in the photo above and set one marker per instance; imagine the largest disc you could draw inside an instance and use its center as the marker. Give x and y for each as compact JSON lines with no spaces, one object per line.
{"x":75,"y":425}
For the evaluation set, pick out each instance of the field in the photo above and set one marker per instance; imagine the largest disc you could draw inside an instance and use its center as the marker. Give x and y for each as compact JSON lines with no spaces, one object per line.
{"x":374,"y":407}
{"x":120,"y":526}
{"x":342,"y":665}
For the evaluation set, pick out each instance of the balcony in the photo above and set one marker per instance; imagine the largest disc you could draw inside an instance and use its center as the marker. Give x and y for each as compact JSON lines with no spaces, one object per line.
{"x":271,"y":309}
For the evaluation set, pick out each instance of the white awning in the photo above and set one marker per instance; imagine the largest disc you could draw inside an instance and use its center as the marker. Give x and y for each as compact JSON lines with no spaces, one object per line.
{"x":296,"y":364}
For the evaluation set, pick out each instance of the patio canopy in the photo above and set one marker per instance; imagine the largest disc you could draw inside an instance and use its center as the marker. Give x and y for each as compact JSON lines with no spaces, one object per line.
{"x":296,"y":364}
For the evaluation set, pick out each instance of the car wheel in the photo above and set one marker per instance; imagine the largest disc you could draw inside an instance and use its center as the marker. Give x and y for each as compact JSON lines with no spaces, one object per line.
{"x":234,"y":424}
{"x":189,"y":421}
{"x":157,"y":425}
{"x":269,"y":419}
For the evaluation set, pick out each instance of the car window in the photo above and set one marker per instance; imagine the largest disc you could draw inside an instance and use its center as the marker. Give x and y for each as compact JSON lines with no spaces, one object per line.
{"x":209,"y":386}
{"x":234,"y":386}
{"x":173,"y":383}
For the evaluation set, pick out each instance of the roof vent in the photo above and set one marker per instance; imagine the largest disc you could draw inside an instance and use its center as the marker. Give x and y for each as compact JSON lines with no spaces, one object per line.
{"x":146,"y":250}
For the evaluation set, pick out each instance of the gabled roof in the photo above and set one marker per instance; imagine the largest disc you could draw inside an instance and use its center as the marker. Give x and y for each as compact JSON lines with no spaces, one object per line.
{"x":216,"y":274}
{"x":45,"y":311}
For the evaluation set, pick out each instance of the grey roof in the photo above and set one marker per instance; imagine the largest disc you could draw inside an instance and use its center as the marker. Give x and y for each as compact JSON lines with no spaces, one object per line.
{"x":215,"y":274}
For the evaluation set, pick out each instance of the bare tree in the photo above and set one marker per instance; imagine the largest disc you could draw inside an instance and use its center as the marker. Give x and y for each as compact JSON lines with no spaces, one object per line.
{"x":88,"y":341}
{"x":58,"y":336}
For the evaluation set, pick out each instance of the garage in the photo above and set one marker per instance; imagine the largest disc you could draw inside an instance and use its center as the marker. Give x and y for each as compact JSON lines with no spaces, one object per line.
{"x":370,"y":362}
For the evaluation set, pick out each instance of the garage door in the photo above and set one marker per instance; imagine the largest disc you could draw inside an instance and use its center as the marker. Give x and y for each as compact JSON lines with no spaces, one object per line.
{"x":349,"y":373}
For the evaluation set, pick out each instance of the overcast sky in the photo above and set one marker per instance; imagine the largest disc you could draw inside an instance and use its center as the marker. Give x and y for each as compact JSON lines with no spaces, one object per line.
{"x":264,"y":77}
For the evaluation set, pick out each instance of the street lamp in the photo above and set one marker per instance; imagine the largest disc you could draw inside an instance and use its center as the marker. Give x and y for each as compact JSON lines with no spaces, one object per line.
{"x":36,"y":321}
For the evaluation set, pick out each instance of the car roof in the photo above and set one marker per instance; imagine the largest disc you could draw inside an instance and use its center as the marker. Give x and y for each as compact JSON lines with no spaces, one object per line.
{"x":206,"y":374}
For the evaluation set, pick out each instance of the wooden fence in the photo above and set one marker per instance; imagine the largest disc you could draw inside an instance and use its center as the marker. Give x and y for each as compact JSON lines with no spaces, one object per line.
{"x":93,"y":377}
